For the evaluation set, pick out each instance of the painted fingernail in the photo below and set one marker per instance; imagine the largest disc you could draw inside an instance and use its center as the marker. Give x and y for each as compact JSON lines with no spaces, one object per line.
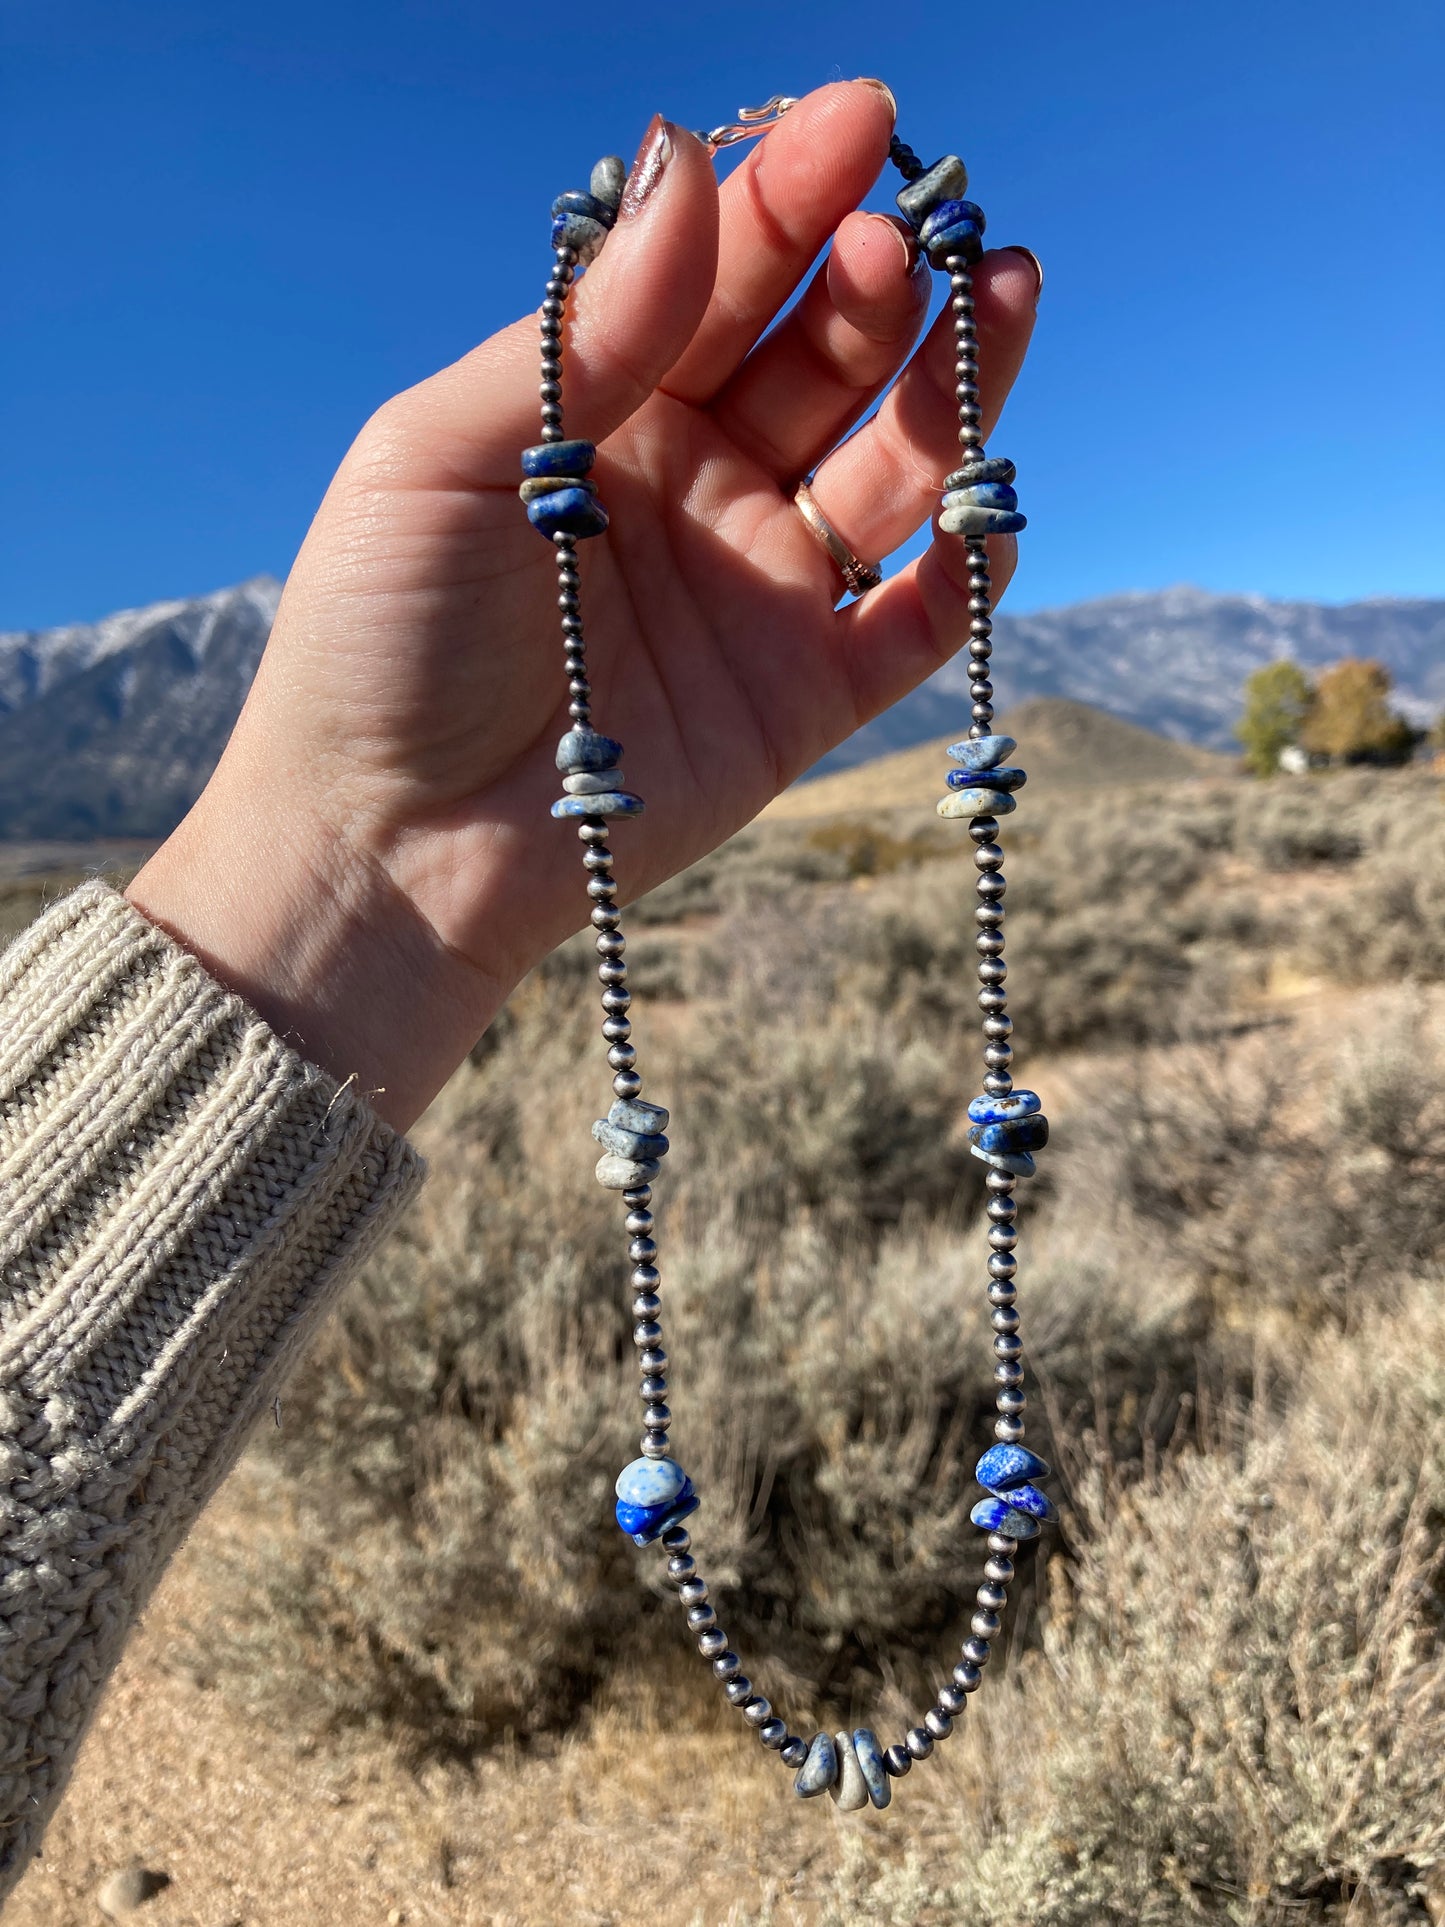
{"x":648,"y":169}
{"x":1035,"y":263}
{"x":867,"y":80}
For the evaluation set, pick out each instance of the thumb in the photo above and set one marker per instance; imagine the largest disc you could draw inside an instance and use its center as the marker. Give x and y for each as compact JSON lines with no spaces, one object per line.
{"x":629,"y":318}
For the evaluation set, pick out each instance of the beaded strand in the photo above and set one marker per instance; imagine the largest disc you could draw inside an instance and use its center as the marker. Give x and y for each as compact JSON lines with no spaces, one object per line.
{"x":1006,"y":1126}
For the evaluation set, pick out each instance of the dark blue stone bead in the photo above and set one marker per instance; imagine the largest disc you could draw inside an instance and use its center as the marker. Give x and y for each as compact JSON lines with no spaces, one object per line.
{"x":629,"y":1144}
{"x":870,"y":1759}
{"x":963,"y":237}
{"x":644,"y":1524}
{"x":574,"y":201}
{"x":987,"y":779}
{"x":996,"y":1515}
{"x":981,"y":495}
{"x":612,"y":803}
{"x":586,"y":749}
{"x":947,"y":214}
{"x":1013,"y":1135}
{"x":982,"y":752}
{"x":559,"y":458}
{"x":987,"y":468}
{"x":1005,"y":1466}
{"x":567,"y":511}
{"x":1003,"y":1110}
{"x":1028,"y":1499}
{"x":1017,"y":1163}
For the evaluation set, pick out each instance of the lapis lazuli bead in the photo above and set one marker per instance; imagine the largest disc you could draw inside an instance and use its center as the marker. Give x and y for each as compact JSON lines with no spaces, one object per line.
{"x":567,"y":511}
{"x":946,"y":214}
{"x":1013,"y":1135}
{"x":1028,"y":1499}
{"x":559,"y":458}
{"x":629,"y":1144}
{"x":1004,"y":1466}
{"x":636,"y":1114}
{"x":1002,"y":1110}
{"x":986,"y":468}
{"x":652,"y":1494}
{"x":975,"y":801}
{"x":981,"y":495}
{"x":963,"y":238}
{"x":997,"y":1515}
{"x":988,"y":779}
{"x":587,"y":749}
{"x":819,"y":1770}
{"x":580,"y":233}
{"x":614,"y":803}
{"x":574,"y":201}
{"x":968,"y":519}
{"x":946,"y":180}
{"x":1017,"y":1163}
{"x":982,"y":752}
{"x":643,"y":1524}
{"x":870,"y":1759}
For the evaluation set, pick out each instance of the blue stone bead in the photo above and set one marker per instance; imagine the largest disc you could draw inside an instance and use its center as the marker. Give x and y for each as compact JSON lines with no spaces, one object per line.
{"x":963,"y":237}
{"x":819,"y":1770}
{"x":981,"y":495}
{"x":946,"y":214}
{"x":987,"y":468}
{"x":875,"y":1774}
{"x":574,"y":201}
{"x":567,"y":511}
{"x":537,"y":486}
{"x":629,"y":1144}
{"x":968,"y":519}
{"x":559,"y":458}
{"x":987,"y":779}
{"x":975,"y":801}
{"x":1017,"y":1163}
{"x":982,"y":752}
{"x":1002,"y":1110}
{"x":586,"y":749}
{"x":593,"y":782}
{"x":946,"y":180}
{"x":1028,"y":1499}
{"x":1013,"y":1134}
{"x":650,"y":1482}
{"x":580,"y":233}
{"x":636,"y":1114}
{"x":644,"y":1524}
{"x":996,"y":1515}
{"x":615,"y":803}
{"x":1005,"y":1466}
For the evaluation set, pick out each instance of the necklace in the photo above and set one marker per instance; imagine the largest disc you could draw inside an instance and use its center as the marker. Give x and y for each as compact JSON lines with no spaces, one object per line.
{"x":1006,"y":1126}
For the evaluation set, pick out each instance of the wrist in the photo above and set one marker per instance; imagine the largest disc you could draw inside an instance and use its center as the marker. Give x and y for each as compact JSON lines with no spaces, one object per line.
{"x":321,"y":943}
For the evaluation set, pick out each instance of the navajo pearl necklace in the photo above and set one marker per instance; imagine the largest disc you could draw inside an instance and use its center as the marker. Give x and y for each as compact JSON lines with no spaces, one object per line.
{"x":654,"y":1494}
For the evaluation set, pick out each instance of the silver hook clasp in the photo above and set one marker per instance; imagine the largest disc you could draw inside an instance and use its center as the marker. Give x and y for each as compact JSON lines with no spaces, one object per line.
{"x":750,"y":121}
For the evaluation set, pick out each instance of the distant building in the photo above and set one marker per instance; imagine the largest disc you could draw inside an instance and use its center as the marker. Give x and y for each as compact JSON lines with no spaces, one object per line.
{"x":1294,"y":761}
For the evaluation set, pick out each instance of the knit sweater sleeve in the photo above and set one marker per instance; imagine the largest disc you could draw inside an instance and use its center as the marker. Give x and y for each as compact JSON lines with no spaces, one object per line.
{"x":181,"y":1196}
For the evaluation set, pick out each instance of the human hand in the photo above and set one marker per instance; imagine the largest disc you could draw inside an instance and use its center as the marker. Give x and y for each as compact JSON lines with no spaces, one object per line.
{"x":373,"y":865}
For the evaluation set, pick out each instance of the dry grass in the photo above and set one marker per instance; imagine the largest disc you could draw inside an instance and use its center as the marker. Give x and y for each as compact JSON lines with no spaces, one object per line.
{"x":406,"y":1665}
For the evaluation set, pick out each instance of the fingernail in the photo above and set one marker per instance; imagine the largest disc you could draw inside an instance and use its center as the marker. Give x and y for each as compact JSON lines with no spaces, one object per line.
{"x":1034,"y":261}
{"x":648,"y":169}
{"x":907,"y":239}
{"x":867,"y":80}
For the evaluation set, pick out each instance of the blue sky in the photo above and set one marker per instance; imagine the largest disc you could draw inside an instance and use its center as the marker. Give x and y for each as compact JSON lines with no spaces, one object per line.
{"x":231,"y":230}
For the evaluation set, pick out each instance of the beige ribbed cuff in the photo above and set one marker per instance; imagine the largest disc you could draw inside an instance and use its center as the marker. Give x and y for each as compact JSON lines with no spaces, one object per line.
{"x":181,"y":1197}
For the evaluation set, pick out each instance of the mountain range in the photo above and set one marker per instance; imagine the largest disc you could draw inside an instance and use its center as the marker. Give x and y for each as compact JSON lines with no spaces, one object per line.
{"x":111,"y":728}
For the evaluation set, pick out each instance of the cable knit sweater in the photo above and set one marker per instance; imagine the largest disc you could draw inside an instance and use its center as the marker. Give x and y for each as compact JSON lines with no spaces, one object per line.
{"x":181,"y":1197}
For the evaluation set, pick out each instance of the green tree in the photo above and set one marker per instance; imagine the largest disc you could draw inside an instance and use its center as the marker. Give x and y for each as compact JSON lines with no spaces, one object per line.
{"x":1277,"y":703}
{"x":1351,"y":720}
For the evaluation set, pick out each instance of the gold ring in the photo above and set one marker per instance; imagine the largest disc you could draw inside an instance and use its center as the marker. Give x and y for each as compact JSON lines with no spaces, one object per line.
{"x":858,"y":576}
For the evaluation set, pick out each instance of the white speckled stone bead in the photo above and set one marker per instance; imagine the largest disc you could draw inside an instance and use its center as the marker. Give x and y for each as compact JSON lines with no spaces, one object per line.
{"x":850,"y":1789}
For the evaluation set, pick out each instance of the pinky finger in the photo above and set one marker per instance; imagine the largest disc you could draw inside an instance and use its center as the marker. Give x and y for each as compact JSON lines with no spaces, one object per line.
{"x":896,"y":635}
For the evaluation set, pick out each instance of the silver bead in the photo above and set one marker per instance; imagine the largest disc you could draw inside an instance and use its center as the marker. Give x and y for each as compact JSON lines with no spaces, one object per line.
{"x":991,"y":1598}
{"x":653,"y":1387}
{"x":1002,"y":1237}
{"x":1000,"y":1569}
{"x":938,"y":1723}
{"x":657,"y":1418}
{"x":712,"y":1643}
{"x":642,"y":1251}
{"x":758,"y":1711}
{"x":626,"y":1084}
{"x":681,"y":1566}
{"x":1009,"y":1430}
{"x":985,"y":1625}
{"x":646,"y":1278}
{"x":998,"y":1057}
{"x":1001,"y":1546}
{"x":646,"y":1334}
{"x":793,"y":1753}
{"x":738,"y":1690}
{"x":611,"y":945}
{"x":1008,"y":1372}
{"x":978,"y":1650}
{"x":654,"y":1359}
{"x":622,"y":1057}
{"x":655,"y":1445}
{"x":918,"y":1742}
{"x":677,"y":1539}
{"x":953,"y":1700}
{"x":646,"y":1304}
{"x":727,"y":1665}
{"x":1002,"y":1264}
{"x":998,"y":1084}
{"x":1002,"y":1210}
{"x":897,"y":1761}
{"x":967,"y":1677}
{"x":773,"y":1734}
{"x":639,"y":1223}
{"x":692,"y":1591}
{"x":1007,"y":1345}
